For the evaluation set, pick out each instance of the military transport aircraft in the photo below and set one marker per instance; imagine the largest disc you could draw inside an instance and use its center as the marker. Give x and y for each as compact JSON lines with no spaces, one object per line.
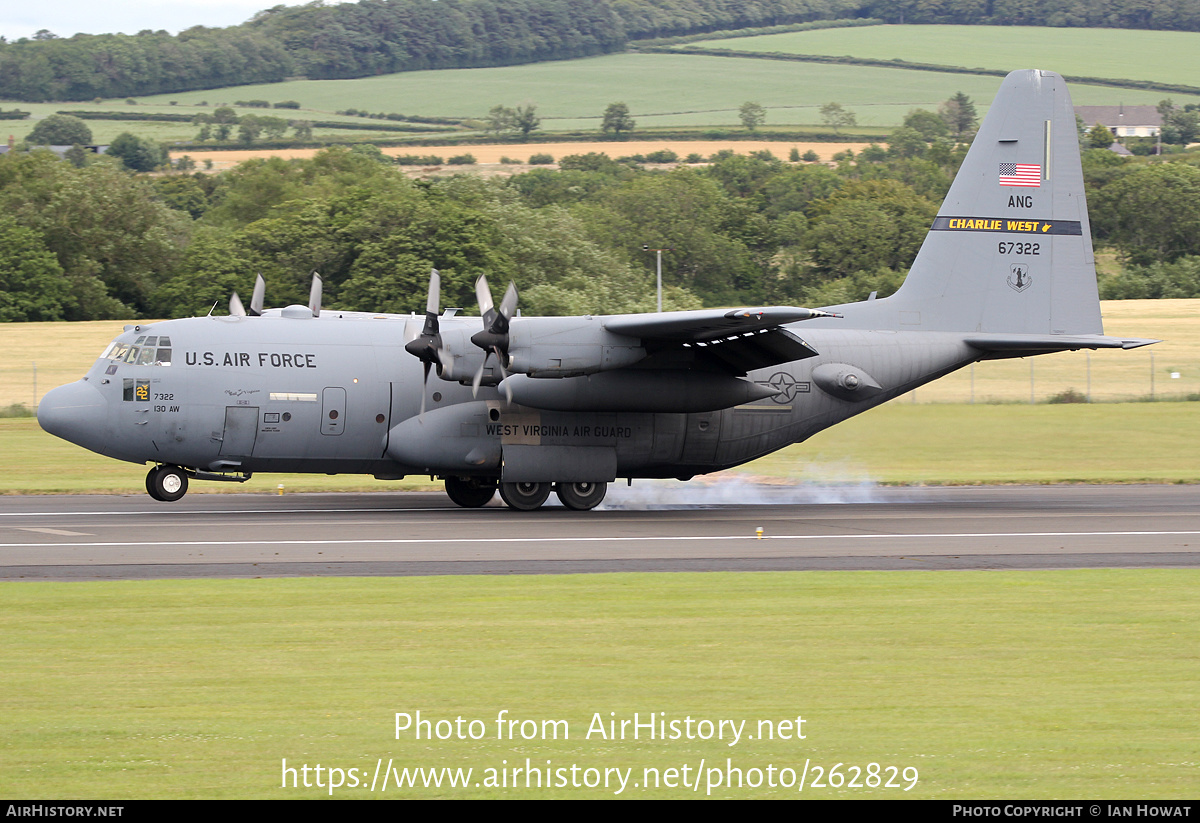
{"x":528,"y":405}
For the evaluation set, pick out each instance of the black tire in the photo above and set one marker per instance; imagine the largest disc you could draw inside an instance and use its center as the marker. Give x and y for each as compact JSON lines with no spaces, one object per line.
{"x":581,"y":497}
{"x":170,"y":483}
{"x":470,"y":492}
{"x":524,"y":497}
{"x":152,"y":483}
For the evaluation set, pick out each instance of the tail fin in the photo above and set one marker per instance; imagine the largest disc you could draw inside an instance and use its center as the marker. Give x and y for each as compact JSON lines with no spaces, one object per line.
{"x":1010,"y":251}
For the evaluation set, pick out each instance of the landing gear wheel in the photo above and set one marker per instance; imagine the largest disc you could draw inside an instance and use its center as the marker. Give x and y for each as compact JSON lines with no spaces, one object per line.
{"x":170,"y":483}
{"x":524,"y":497}
{"x":581,"y":497}
{"x":151,"y":481}
{"x":470,"y":492}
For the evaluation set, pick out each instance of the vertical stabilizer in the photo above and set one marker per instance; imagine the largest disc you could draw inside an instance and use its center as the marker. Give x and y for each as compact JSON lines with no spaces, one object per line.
{"x":1010,"y":250}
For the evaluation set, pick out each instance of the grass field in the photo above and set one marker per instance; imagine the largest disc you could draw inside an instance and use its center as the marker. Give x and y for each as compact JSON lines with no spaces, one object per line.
{"x":988,"y":684}
{"x":1161,"y":56}
{"x":660,"y":89}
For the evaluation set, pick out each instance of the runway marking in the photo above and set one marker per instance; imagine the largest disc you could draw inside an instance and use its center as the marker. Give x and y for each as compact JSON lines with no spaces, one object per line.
{"x":234,"y":511}
{"x":614,"y":538}
{"x":62,"y":532}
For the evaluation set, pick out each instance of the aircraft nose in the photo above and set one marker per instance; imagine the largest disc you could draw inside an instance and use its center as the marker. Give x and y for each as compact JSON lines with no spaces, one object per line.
{"x":76,"y":412}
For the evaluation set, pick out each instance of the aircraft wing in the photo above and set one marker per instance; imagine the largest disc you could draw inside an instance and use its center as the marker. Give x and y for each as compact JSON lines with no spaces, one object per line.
{"x":733,"y":340}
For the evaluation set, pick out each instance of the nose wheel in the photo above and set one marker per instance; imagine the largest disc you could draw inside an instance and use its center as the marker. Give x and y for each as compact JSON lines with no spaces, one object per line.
{"x":166,"y":483}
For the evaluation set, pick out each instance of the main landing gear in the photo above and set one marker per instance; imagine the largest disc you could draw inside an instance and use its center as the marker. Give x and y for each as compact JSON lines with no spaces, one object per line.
{"x":166,"y":483}
{"x":470,"y":492}
{"x":473,"y":492}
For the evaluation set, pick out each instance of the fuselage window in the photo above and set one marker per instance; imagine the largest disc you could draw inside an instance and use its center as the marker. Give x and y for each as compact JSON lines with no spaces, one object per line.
{"x":164,"y":356}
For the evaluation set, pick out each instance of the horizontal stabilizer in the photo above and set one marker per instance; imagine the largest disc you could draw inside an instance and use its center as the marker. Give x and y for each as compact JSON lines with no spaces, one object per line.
{"x":1017,"y":344}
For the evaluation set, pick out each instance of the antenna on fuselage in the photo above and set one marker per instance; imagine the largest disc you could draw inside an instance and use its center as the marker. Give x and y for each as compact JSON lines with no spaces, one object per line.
{"x":314,"y":295}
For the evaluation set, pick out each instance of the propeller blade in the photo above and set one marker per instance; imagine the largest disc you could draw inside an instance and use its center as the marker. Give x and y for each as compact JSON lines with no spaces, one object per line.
{"x":425,"y":388}
{"x":314,"y":295}
{"x":236,"y":309}
{"x":508,"y":305}
{"x":256,"y":299}
{"x":479,"y":375}
{"x":435,"y":292}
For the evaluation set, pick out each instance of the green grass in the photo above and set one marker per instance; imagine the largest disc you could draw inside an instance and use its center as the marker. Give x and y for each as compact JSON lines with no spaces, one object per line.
{"x":660,"y":89}
{"x":942,"y":444}
{"x":678,"y":91}
{"x":1161,"y":56}
{"x":990,"y":684}
{"x":898,"y":443}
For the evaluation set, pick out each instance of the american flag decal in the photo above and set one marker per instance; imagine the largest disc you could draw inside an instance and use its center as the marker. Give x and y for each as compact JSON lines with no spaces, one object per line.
{"x":1021,"y":174}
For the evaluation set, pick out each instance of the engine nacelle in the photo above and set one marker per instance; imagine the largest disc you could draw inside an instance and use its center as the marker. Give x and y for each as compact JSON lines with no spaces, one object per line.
{"x":568,"y":346}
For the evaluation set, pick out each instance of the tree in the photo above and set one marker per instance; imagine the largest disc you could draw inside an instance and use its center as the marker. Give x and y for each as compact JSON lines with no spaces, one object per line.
{"x":60,"y":130}
{"x":752,"y":115}
{"x":1152,"y":213}
{"x":617,"y":119}
{"x":1100,"y":137}
{"x":525,"y":119}
{"x":1179,"y":126}
{"x":32,"y":285}
{"x":926,"y":123}
{"x":832,"y":114}
{"x":959,"y":114}
{"x":500,"y":119}
{"x":135,"y":152}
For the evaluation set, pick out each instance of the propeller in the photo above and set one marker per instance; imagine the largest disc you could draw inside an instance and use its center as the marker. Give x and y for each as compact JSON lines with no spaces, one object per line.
{"x":236,"y":308}
{"x":494,"y":337}
{"x":427,"y":346}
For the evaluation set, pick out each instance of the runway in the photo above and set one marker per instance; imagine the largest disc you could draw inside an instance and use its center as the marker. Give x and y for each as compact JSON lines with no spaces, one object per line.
{"x":651,"y":527}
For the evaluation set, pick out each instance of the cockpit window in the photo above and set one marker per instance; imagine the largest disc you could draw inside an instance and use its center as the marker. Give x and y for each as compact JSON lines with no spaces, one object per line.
{"x":141,"y":355}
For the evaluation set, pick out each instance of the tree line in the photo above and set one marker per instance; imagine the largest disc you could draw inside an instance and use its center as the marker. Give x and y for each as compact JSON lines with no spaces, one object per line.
{"x":348,"y":40}
{"x":98,"y":241}
{"x":371,"y":37}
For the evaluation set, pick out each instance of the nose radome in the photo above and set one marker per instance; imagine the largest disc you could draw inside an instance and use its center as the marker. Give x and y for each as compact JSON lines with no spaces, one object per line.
{"x":76,"y":412}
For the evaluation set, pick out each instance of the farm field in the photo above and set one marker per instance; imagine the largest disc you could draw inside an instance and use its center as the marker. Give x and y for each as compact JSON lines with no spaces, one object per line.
{"x":1162,"y":56}
{"x":660,"y":90}
{"x":493,"y":152}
